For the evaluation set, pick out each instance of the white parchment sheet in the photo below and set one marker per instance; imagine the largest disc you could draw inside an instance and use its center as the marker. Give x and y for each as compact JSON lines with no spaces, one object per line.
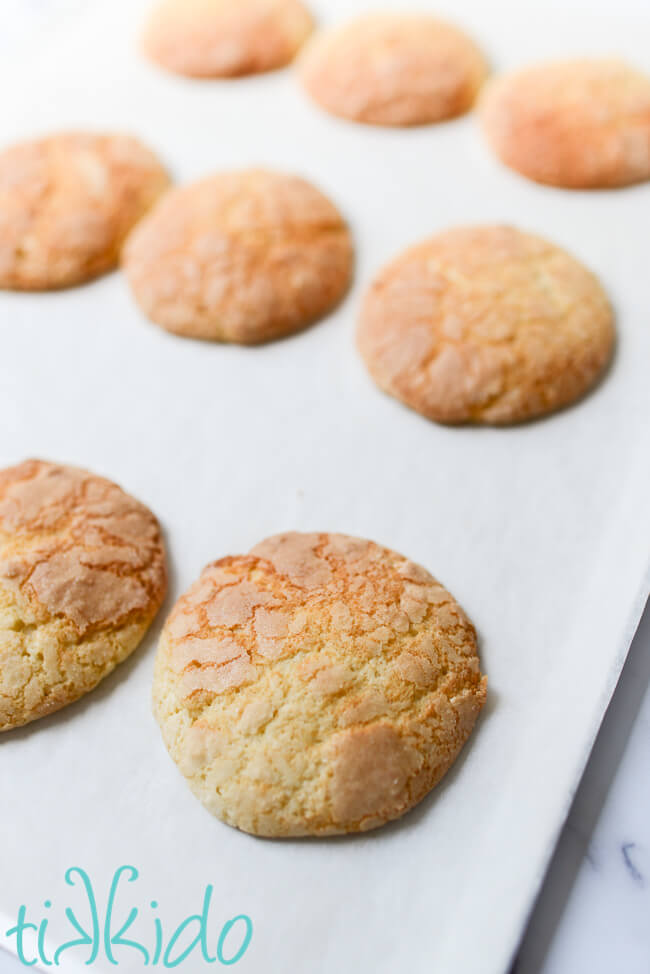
{"x":541,"y":531}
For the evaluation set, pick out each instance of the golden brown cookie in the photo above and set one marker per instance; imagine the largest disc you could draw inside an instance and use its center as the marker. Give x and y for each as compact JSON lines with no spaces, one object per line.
{"x":82,"y":574}
{"x":393,"y":69}
{"x":240,"y":257}
{"x":320,"y":684}
{"x":580,"y":124}
{"x":66,"y":204}
{"x":485,"y":325}
{"x":225,"y":38}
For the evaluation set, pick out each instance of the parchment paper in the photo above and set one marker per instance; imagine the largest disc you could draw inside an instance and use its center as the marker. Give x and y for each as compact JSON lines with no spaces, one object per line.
{"x":541,"y":531}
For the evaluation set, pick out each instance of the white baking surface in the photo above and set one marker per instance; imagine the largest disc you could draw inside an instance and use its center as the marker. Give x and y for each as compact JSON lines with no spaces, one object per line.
{"x":541,"y":531}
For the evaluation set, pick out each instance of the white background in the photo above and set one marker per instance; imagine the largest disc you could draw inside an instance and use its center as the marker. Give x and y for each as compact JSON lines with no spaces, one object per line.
{"x":522,"y":524}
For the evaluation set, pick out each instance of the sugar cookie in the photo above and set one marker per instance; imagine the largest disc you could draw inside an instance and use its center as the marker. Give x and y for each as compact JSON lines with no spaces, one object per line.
{"x":66,"y":204}
{"x":485,"y":325}
{"x":579,"y":124}
{"x":391,"y":69}
{"x":320,"y":684}
{"x":240,"y":257}
{"x":82,"y":574}
{"x":225,"y":38}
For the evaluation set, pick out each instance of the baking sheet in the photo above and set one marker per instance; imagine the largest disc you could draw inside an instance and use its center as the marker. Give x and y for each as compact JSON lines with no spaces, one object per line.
{"x":541,"y":531}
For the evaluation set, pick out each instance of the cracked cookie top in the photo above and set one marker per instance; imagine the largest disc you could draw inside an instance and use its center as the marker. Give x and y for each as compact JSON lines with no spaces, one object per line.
{"x":392,"y":69}
{"x":82,"y":574}
{"x":319,"y":684}
{"x":581,"y":124}
{"x":67,"y":202}
{"x":240,"y":257}
{"x":225,"y":39}
{"x":485,"y":325}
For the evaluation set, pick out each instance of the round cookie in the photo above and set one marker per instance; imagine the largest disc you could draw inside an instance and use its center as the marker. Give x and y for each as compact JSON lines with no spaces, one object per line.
{"x":66,"y":204}
{"x":392,"y":69}
{"x":321,"y":684}
{"x":240,"y":257}
{"x":82,"y":574}
{"x":485,"y":325}
{"x":580,"y":124}
{"x":225,"y":38}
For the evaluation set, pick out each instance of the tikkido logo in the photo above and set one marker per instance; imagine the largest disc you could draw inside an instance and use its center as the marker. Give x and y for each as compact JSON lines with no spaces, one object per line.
{"x":194,"y":937}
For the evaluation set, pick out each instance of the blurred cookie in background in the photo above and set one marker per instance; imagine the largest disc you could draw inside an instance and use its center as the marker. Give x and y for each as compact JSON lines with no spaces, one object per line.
{"x":225,"y":38}
{"x":485,"y":325}
{"x":67,"y":201}
{"x":393,"y":69}
{"x":582,"y":124}
{"x":243,"y":256}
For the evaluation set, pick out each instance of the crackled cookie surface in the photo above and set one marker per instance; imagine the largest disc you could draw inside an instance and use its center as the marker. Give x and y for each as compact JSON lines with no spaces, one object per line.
{"x":225,"y":38}
{"x":485,"y":325}
{"x":320,"y":684}
{"x":580,"y":124}
{"x":66,"y":204}
{"x":240,"y":257}
{"x":82,"y":574}
{"x":390,"y":69}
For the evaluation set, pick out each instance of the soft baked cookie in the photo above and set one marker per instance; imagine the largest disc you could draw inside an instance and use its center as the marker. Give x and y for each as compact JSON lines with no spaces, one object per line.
{"x":320,"y":684}
{"x":240,"y":257}
{"x":581,"y":124}
{"x":225,"y":38}
{"x":393,"y":69}
{"x":66,"y":204}
{"x":485,"y":325}
{"x":82,"y":574}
